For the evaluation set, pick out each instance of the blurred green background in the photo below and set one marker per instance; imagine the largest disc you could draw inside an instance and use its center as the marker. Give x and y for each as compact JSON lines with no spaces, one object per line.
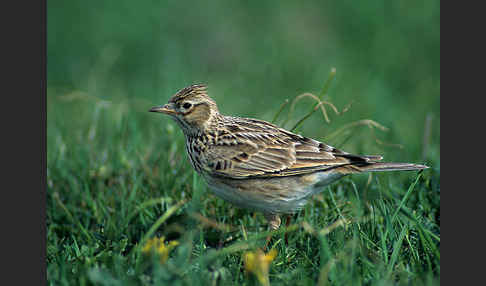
{"x":109,"y":62}
{"x":253,"y":56}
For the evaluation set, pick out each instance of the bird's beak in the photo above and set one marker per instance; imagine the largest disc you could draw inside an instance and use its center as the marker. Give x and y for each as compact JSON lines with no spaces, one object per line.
{"x":167,"y":109}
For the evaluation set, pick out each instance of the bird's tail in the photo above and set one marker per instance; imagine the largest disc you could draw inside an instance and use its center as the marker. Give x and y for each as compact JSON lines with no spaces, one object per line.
{"x":383,"y":166}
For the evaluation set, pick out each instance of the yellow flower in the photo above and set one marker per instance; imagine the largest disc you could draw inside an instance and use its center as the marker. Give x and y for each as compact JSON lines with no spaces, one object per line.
{"x":159,"y":246}
{"x":258,"y":263}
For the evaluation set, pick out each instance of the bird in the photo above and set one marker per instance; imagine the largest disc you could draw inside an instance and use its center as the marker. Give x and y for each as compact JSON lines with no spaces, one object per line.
{"x":257,"y":165}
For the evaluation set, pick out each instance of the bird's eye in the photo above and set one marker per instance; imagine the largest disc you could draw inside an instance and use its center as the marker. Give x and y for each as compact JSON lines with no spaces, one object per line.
{"x":186,"y":105}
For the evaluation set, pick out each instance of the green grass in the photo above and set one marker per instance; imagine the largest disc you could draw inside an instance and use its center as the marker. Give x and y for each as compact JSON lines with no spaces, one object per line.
{"x":118,"y":175}
{"x":112,"y":185}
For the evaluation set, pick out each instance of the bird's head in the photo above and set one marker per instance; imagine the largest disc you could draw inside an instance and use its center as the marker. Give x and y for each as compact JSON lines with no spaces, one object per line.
{"x":191,"y":108}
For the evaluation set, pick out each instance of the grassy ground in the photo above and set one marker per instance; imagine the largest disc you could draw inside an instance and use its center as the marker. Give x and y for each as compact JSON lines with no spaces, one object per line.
{"x":117,"y":180}
{"x":118,"y":176}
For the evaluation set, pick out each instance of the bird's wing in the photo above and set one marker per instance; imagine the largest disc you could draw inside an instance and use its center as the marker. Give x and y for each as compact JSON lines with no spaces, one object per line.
{"x":255,"y":148}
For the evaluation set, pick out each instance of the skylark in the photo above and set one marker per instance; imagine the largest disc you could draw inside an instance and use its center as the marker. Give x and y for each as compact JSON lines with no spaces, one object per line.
{"x":257,"y":165}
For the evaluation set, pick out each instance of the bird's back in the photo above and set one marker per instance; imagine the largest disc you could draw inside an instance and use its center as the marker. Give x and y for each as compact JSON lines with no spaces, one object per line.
{"x":242,"y":148}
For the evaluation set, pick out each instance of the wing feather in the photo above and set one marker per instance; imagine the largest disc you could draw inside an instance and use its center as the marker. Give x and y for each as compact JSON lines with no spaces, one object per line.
{"x":265,"y":150}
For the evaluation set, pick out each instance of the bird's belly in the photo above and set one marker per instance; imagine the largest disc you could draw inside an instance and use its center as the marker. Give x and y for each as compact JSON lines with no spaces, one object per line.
{"x":271,"y":195}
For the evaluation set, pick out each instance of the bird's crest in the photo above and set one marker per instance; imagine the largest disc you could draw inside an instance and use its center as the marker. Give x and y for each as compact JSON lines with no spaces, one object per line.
{"x":195,"y":89}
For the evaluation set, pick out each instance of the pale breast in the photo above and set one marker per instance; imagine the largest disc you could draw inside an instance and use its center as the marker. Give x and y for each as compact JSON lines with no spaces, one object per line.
{"x":271,"y":195}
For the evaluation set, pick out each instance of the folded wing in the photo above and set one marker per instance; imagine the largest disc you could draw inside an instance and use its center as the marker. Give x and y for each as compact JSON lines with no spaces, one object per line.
{"x":255,"y":148}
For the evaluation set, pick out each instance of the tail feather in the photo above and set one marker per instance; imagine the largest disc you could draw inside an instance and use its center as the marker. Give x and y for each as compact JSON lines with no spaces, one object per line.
{"x":379,"y":167}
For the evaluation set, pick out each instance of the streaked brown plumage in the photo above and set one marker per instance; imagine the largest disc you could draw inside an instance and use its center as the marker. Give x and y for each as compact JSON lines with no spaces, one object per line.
{"x":257,"y":165}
